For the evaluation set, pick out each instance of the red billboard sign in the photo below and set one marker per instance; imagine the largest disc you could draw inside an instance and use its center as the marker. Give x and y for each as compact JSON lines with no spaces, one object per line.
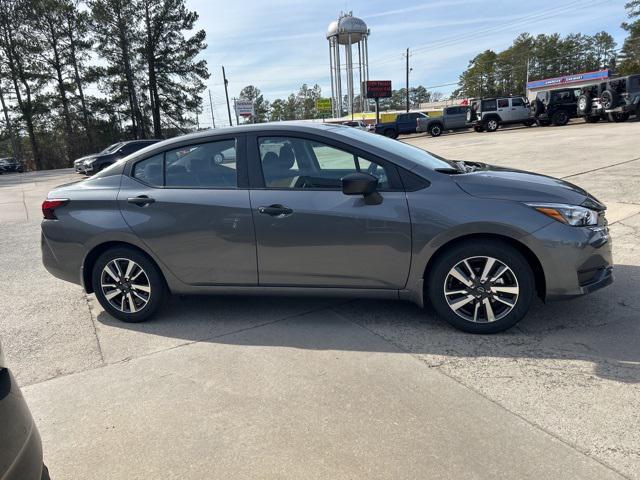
{"x":378,"y":88}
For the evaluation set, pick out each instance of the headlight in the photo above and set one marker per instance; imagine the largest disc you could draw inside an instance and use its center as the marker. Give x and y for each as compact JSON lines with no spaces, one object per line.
{"x":573,"y":215}
{"x":88,"y":162}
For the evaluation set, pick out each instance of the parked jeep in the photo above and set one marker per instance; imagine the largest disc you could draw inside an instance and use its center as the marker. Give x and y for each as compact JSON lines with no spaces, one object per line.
{"x":616,"y":100}
{"x":555,"y":107}
{"x":453,"y":118}
{"x":489,"y":113}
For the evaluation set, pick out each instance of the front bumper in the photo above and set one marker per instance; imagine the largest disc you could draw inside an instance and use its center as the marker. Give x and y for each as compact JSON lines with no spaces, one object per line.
{"x":79,"y":167}
{"x":575,"y":260}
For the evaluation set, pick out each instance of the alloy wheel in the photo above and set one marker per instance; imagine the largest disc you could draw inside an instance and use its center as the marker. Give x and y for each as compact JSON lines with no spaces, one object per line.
{"x":492,"y":125}
{"x":481,"y":289}
{"x":125,"y":285}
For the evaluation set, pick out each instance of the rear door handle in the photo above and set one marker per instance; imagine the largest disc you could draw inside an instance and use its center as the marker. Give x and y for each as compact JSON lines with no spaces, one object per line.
{"x":276,"y":210}
{"x":141,"y":200}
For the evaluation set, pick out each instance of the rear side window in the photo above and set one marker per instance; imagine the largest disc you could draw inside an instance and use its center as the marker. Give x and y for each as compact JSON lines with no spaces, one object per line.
{"x":488,"y":105}
{"x":205,"y":165}
{"x":149,"y":171}
{"x":503,"y":103}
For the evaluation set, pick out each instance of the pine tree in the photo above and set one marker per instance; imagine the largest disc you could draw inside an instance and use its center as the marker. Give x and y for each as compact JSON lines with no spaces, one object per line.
{"x":261,"y":106}
{"x":630,"y":52}
{"x":174,"y":75}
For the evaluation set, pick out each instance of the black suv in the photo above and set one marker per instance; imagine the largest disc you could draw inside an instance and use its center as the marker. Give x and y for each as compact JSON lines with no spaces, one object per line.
{"x":555,"y":107}
{"x":615,"y":100}
{"x":10,"y":165}
{"x":94,"y":163}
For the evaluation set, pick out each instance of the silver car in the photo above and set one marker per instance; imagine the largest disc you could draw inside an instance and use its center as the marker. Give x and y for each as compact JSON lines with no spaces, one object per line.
{"x":303,"y":209}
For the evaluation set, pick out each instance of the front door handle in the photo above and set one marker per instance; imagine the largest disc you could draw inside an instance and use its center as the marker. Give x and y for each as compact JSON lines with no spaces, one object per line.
{"x":276,"y":210}
{"x":141,"y":200}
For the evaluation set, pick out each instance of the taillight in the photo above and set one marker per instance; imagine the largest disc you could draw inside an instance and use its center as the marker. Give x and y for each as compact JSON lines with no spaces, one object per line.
{"x":49,"y":206}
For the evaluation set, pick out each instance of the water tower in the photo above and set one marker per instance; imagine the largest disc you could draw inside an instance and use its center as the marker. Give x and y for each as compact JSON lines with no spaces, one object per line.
{"x":348,"y":31}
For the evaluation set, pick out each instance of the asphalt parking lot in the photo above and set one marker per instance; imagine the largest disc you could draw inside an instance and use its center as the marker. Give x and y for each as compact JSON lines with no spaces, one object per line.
{"x":250,"y":387}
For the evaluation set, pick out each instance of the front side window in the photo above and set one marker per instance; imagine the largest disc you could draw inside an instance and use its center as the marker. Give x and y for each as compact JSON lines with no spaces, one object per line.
{"x":204,"y":165}
{"x":294,"y":163}
{"x":517,"y":102}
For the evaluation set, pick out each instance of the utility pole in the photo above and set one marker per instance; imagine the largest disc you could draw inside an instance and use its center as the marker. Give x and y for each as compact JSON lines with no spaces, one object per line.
{"x":526,"y":83}
{"x":407,"y":80}
{"x":226,"y":93}
{"x":213,"y":120}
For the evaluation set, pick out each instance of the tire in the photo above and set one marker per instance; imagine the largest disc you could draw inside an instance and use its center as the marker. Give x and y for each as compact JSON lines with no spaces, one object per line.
{"x":529,"y":123}
{"x":543,"y":123}
{"x":584,"y":104}
{"x":435,"y":130}
{"x":619,"y":117}
{"x":492,"y":124}
{"x":591,"y":119}
{"x":538,"y":107}
{"x":560,"y":118}
{"x":390,"y":133}
{"x":478,"y":128}
{"x":518,"y":276}
{"x":151,"y":286}
{"x":608,"y":99}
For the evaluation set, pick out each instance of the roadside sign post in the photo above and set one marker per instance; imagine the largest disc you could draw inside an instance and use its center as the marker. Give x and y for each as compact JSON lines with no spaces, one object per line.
{"x":378,"y":89}
{"x":324,"y":106}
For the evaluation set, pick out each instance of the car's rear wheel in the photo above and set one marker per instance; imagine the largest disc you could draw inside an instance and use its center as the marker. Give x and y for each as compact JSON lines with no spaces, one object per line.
{"x":390,"y":133}
{"x":618,"y":117}
{"x":529,"y":123}
{"x":435,"y":130}
{"x":492,"y":124}
{"x":128,"y":285}
{"x":481,"y":286}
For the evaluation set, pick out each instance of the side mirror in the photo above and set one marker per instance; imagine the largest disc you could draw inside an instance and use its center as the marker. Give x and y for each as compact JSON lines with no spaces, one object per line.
{"x":362,"y":184}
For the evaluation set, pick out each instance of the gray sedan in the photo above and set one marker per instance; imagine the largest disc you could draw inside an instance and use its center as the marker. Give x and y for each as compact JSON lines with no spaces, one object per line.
{"x":300,"y":209}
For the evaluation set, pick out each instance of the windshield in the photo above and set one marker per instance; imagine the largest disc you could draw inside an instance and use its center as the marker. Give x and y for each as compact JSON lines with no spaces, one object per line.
{"x":111,"y":148}
{"x":414,"y":154}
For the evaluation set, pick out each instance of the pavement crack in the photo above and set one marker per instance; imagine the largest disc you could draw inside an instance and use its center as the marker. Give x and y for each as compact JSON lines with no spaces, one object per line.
{"x":95,"y":327}
{"x":601,"y":168}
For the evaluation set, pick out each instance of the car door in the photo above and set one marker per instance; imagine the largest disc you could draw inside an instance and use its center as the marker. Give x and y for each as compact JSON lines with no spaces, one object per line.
{"x":456,"y":117}
{"x":519,"y":110}
{"x":308,"y":233}
{"x":193,"y":211}
{"x":504,"y":110}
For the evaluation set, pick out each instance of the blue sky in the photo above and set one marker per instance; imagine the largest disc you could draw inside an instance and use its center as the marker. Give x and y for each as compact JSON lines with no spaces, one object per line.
{"x":277,"y":45}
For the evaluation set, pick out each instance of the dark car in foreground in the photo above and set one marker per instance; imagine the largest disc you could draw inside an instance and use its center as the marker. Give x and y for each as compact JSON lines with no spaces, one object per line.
{"x":10,"y":165}
{"x":94,"y":163}
{"x":20,"y":445}
{"x":324,"y":210}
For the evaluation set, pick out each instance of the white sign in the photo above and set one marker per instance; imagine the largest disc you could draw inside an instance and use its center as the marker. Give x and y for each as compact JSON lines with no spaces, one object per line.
{"x":244,"y":108}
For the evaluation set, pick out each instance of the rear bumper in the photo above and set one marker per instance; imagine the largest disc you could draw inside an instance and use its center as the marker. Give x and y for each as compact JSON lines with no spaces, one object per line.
{"x":63,"y":268}
{"x":20,"y":444}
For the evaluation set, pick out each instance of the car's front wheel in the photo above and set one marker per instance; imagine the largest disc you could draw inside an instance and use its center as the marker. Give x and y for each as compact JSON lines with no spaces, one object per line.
{"x":481,"y":286}
{"x":492,"y":124}
{"x":435,"y":130}
{"x":128,"y":284}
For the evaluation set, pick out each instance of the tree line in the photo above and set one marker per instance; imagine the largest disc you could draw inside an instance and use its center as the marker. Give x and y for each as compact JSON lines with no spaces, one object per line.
{"x":75,"y":74}
{"x":301,"y":105}
{"x":550,"y":55}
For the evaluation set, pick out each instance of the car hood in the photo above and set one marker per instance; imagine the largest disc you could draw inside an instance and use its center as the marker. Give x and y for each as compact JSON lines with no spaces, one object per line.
{"x":87,"y":157}
{"x":505,"y":184}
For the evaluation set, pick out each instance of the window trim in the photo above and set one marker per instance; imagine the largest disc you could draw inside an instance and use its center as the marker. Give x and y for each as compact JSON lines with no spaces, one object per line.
{"x":256,"y":175}
{"x":242,"y":180}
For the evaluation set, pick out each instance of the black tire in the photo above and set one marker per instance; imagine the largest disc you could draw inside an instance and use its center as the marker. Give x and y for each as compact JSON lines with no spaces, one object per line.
{"x":390,"y":133}
{"x":502,"y":252}
{"x":529,"y":123}
{"x":45,"y":473}
{"x":538,"y":107}
{"x":591,"y":118}
{"x":609,"y":99}
{"x":584,"y":104}
{"x":619,"y":117}
{"x":492,"y":124}
{"x":560,"y":118}
{"x":435,"y":130}
{"x":478,"y":128}
{"x":154,"y":281}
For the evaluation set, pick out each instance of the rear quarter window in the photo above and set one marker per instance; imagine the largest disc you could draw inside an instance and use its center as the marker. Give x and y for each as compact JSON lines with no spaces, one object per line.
{"x":489,"y":105}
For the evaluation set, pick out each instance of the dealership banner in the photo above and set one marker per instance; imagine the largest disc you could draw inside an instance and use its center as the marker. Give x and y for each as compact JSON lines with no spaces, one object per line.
{"x":569,"y":79}
{"x":244,"y":108}
{"x":323,"y":105}
{"x":378,"y":88}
